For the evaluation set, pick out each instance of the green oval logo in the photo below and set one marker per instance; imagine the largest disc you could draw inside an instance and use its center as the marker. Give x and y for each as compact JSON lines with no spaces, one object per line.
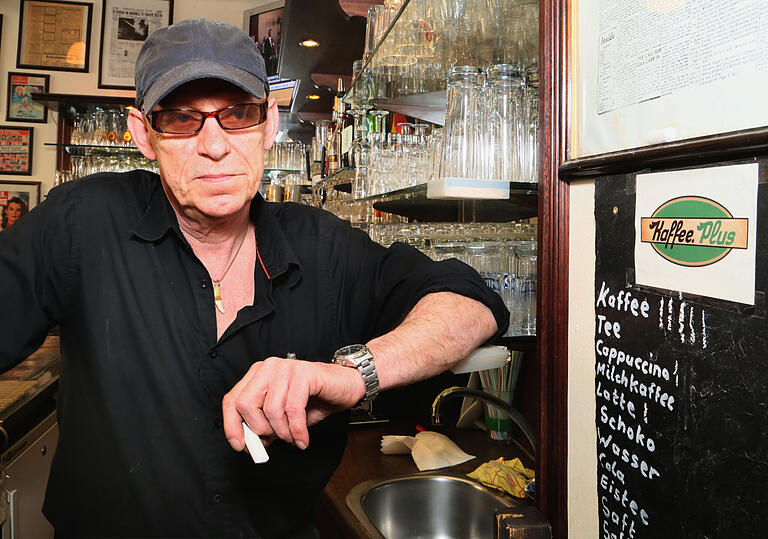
{"x":693,"y":231}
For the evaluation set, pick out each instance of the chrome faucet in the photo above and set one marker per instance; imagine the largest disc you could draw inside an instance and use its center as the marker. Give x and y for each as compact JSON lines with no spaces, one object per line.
{"x":456,"y":391}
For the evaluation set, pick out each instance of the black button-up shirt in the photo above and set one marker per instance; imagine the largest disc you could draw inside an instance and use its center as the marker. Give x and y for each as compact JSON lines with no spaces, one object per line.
{"x":142,"y":452}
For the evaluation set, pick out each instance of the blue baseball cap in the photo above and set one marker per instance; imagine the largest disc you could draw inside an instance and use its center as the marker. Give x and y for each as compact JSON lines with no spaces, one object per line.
{"x":197,"y":49}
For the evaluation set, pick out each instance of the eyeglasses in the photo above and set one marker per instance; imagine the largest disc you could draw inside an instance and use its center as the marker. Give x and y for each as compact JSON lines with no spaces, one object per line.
{"x":189,"y":121}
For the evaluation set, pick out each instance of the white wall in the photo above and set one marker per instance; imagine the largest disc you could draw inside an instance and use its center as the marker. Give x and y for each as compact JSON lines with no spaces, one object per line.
{"x":582,"y":433}
{"x":62,"y":82}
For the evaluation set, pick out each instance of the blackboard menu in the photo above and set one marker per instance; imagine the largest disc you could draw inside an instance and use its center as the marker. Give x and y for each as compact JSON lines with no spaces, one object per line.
{"x":681,"y":394}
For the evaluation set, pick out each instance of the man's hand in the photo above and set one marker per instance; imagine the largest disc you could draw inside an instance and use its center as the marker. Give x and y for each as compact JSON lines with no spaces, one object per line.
{"x":280,"y":398}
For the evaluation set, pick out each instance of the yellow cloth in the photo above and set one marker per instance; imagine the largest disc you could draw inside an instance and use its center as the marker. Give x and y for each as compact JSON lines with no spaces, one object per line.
{"x":506,"y":475}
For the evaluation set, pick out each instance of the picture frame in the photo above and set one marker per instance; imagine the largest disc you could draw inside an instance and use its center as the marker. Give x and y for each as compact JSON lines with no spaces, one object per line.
{"x":125,"y":24}
{"x":19,"y":105}
{"x":54,"y":35}
{"x":16,"y":199}
{"x":258,"y":23}
{"x":16,"y":144}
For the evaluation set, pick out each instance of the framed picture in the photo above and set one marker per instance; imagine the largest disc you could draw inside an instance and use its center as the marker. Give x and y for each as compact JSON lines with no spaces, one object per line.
{"x":16,"y":150}
{"x":16,"y":199}
{"x":125,"y":24}
{"x":54,"y":35}
{"x":265,"y":28}
{"x":19,"y":106}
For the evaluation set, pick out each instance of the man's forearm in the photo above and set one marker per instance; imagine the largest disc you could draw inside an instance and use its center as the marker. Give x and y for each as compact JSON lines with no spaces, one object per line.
{"x":441,"y":329}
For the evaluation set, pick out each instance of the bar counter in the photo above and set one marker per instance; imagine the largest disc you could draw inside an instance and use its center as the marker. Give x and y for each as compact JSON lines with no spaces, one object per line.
{"x":363,"y":460}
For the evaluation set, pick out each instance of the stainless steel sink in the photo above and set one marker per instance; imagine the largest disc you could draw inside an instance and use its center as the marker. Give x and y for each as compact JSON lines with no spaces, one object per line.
{"x":426,"y":506}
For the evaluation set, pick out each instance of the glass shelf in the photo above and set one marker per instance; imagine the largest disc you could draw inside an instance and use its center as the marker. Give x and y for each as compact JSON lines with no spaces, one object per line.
{"x":412,"y":202}
{"x":340,"y":181}
{"x":280,"y":172}
{"x":92,"y":149}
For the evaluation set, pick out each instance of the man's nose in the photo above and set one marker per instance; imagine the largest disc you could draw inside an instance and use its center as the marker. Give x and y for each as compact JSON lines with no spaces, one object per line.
{"x":212,"y":140}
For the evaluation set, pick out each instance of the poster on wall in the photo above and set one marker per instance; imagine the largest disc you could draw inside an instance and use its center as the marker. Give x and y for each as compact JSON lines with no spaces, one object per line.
{"x":660,"y":71}
{"x":265,"y":28}
{"x":16,"y":150}
{"x":125,"y":25}
{"x":54,"y":35}
{"x":16,"y":199}
{"x":20,"y":107}
{"x":695,"y":231}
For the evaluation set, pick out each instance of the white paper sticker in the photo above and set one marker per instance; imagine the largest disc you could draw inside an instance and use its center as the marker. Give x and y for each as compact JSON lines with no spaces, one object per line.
{"x":695,"y":231}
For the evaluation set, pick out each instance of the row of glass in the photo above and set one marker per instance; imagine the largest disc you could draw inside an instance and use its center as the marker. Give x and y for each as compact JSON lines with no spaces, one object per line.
{"x":101,"y":127}
{"x":503,"y":254}
{"x":432,"y":36}
{"x":491,"y":125}
{"x":83,"y":165}
{"x":490,"y":133}
{"x":288,"y":155}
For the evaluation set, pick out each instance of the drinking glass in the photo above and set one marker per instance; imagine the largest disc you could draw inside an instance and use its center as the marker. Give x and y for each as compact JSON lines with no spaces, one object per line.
{"x":524,"y":298}
{"x":464,"y":124}
{"x":505,"y":118}
{"x":528,"y":129}
{"x":372,"y":30}
{"x":489,"y":260}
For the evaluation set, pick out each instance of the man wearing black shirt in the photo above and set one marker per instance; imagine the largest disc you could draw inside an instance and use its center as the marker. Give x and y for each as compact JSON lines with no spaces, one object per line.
{"x":188,"y":305}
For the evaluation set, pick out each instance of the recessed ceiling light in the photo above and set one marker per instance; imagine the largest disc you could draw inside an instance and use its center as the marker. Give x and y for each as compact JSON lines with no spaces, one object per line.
{"x":309,"y":43}
{"x":313,"y":96}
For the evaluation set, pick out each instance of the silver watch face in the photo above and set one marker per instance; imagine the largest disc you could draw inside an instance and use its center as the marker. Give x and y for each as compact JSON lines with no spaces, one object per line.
{"x":351,"y":352}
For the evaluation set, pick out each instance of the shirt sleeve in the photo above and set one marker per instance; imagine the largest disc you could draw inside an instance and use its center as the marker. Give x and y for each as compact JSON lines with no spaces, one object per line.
{"x":36,"y":268}
{"x":380,"y":286}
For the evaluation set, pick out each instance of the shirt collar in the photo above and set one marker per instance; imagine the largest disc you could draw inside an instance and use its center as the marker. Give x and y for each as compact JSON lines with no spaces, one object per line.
{"x":158,"y":219}
{"x":274,"y":250}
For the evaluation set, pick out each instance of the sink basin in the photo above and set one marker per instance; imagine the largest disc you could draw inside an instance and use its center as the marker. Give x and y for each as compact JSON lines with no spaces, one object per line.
{"x":426,"y":506}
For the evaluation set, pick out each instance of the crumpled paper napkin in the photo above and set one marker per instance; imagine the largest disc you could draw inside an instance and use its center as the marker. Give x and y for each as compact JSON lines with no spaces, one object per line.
{"x":506,"y":475}
{"x":430,"y":450}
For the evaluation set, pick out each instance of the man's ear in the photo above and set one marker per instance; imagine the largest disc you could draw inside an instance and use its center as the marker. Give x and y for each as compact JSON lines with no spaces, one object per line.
{"x":272,"y":123}
{"x":140,"y":133}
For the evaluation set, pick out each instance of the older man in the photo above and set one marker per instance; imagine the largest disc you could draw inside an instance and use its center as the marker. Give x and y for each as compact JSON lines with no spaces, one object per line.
{"x":187,"y":305}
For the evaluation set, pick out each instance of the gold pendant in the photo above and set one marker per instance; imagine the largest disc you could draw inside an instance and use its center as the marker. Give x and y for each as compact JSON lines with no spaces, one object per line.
{"x":217,"y":296}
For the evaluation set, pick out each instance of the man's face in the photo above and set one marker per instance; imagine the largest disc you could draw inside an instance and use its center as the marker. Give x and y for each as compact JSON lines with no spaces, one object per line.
{"x":214,"y":173}
{"x":13,"y":212}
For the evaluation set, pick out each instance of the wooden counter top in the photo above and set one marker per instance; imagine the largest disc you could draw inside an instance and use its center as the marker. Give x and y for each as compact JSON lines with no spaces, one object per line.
{"x":363,"y":460}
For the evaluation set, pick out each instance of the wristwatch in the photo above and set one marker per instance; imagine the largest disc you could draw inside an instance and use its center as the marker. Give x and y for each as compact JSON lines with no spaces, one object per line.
{"x":359,"y":357}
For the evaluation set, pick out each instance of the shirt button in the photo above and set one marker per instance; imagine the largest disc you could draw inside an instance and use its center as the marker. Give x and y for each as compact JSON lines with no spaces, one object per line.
{"x":211,"y":354}
{"x":216,"y":498}
{"x":218,"y":423}
{"x":203,"y":284}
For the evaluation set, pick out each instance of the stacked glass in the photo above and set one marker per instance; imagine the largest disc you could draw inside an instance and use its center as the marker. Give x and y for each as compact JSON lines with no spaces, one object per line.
{"x":504,"y":254}
{"x":415,"y":51}
{"x":397,"y":160}
{"x":491,"y":125}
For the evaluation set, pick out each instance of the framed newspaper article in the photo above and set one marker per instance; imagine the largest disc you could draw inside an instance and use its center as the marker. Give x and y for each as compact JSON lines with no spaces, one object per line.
{"x":54,"y":35}
{"x":19,"y":105}
{"x":664,"y":71}
{"x":16,"y":199}
{"x":16,"y":150}
{"x":125,"y":24}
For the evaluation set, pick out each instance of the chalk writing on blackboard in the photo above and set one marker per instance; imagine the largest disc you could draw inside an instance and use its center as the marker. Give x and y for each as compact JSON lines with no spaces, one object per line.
{"x":637,"y":387}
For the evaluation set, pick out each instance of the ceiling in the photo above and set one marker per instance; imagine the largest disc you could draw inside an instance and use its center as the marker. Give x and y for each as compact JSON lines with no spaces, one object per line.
{"x":339,"y":27}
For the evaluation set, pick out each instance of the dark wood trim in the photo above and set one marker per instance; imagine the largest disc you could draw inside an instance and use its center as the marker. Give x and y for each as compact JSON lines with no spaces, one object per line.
{"x":552,"y":326}
{"x":686,"y":153}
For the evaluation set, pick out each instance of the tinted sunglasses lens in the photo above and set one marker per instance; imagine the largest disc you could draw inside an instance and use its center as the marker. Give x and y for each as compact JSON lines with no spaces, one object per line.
{"x":177,"y":121}
{"x":242,"y":116}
